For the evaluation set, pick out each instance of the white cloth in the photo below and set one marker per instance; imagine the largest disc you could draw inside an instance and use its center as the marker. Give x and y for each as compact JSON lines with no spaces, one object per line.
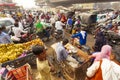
{"x":110,"y":70}
{"x":20,"y":25}
{"x":14,"y":38}
{"x":17,"y":31}
{"x":59,"y":25}
{"x":119,"y":32}
{"x":76,"y":22}
{"x":52,"y":20}
{"x":83,"y":34}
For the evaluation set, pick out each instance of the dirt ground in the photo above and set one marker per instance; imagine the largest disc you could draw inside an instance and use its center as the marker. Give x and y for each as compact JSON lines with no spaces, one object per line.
{"x":90,"y":42}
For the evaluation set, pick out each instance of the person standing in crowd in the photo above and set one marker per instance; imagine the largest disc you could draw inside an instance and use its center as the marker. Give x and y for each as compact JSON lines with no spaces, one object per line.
{"x":4,"y":37}
{"x":30,"y":20}
{"x":19,"y":23}
{"x":47,"y":18}
{"x":39,"y":28}
{"x":63,"y":18}
{"x":43,"y":66}
{"x":69,"y":24}
{"x":109,"y":25}
{"x":99,"y":69}
{"x":59,"y":26}
{"x":103,"y":69}
{"x":52,"y":20}
{"x":82,"y":36}
{"x":100,"y":40}
{"x":73,"y":26}
{"x":104,"y":53}
{"x":18,"y":32}
{"x":78,"y":23}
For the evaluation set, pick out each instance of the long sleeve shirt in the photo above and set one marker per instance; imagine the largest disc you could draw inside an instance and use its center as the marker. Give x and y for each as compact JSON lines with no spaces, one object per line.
{"x":59,"y":25}
{"x":17,"y":31}
{"x":111,"y":71}
{"x":5,"y":38}
{"x":61,"y":52}
{"x":82,"y":38}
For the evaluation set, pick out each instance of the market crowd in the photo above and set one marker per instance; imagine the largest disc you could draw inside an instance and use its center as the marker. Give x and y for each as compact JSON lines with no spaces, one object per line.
{"x":45,"y":24}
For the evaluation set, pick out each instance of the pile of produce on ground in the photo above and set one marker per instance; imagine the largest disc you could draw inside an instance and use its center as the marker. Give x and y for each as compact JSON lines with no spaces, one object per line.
{"x":12,"y":51}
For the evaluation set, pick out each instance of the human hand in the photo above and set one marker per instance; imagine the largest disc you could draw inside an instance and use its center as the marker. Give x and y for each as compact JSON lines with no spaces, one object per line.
{"x":52,"y":69}
{"x":89,"y":57}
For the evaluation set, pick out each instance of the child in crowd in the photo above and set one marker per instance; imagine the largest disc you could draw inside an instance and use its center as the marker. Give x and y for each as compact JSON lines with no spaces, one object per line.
{"x":43,"y":65}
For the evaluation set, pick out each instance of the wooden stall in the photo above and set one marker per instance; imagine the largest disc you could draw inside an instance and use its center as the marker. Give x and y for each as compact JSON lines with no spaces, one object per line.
{"x":76,"y":64}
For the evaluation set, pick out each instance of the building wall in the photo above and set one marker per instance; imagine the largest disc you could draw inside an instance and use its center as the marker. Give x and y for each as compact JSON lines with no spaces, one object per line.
{"x":8,"y":1}
{"x":88,"y":6}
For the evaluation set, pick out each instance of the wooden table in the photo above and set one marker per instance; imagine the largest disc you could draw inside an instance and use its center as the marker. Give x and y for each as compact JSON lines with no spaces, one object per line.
{"x":79,"y":52}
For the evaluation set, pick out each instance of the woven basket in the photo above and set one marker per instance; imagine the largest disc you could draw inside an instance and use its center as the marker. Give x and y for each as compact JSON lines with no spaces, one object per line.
{"x":21,"y":73}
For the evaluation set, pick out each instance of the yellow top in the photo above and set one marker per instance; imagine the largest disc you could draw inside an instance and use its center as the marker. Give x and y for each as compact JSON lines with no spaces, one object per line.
{"x":43,"y":69}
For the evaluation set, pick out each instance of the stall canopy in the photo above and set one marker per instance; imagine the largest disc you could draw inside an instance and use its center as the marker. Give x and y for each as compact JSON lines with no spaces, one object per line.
{"x":7,"y":4}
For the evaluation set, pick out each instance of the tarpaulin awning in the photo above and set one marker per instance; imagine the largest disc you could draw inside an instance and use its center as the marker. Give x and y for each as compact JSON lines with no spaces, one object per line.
{"x":1,"y":4}
{"x":7,"y":4}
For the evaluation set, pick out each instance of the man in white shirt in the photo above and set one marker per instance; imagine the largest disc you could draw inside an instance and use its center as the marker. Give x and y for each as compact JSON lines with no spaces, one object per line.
{"x":59,"y":26}
{"x":17,"y":31}
{"x":52,"y":20}
{"x":19,"y":24}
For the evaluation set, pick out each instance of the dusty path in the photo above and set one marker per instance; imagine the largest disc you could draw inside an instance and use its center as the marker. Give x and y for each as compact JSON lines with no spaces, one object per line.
{"x":90,"y":42}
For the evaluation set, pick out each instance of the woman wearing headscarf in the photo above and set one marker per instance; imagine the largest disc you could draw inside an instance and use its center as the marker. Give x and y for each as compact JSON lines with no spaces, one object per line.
{"x":104,"y":53}
{"x":103,"y":68}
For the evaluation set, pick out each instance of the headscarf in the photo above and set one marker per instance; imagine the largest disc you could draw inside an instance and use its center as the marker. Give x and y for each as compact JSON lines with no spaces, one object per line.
{"x":105,"y":53}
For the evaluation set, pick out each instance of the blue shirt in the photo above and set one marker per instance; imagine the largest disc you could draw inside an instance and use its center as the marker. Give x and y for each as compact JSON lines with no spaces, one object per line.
{"x":5,"y":38}
{"x":82,"y":40}
{"x":109,"y":26}
{"x":70,"y":21}
{"x":61,"y":52}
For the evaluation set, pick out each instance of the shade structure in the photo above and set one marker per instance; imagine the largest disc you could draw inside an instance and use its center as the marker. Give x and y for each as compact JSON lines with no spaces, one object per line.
{"x":1,"y":4}
{"x":7,"y":4}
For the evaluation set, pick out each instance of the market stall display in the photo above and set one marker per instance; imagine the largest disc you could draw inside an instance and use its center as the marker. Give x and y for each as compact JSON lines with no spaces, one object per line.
{"x":21,"y":73}
{"x":77,"y":72}
{"x":76,"y":64}
{"x":10,"y":51}
{"x":16,"y":55}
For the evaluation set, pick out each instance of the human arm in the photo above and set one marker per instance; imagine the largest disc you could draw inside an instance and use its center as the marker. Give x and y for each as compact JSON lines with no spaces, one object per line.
{"x":92,"y":69}
{"x":75,"y":35}
{"x":116,"y":69}
{"x":62,"y":24}
{"x":8,"y":38}
{"x":51,"y":66}
{"x":22,"y":31}
{"x":21,"y":26}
